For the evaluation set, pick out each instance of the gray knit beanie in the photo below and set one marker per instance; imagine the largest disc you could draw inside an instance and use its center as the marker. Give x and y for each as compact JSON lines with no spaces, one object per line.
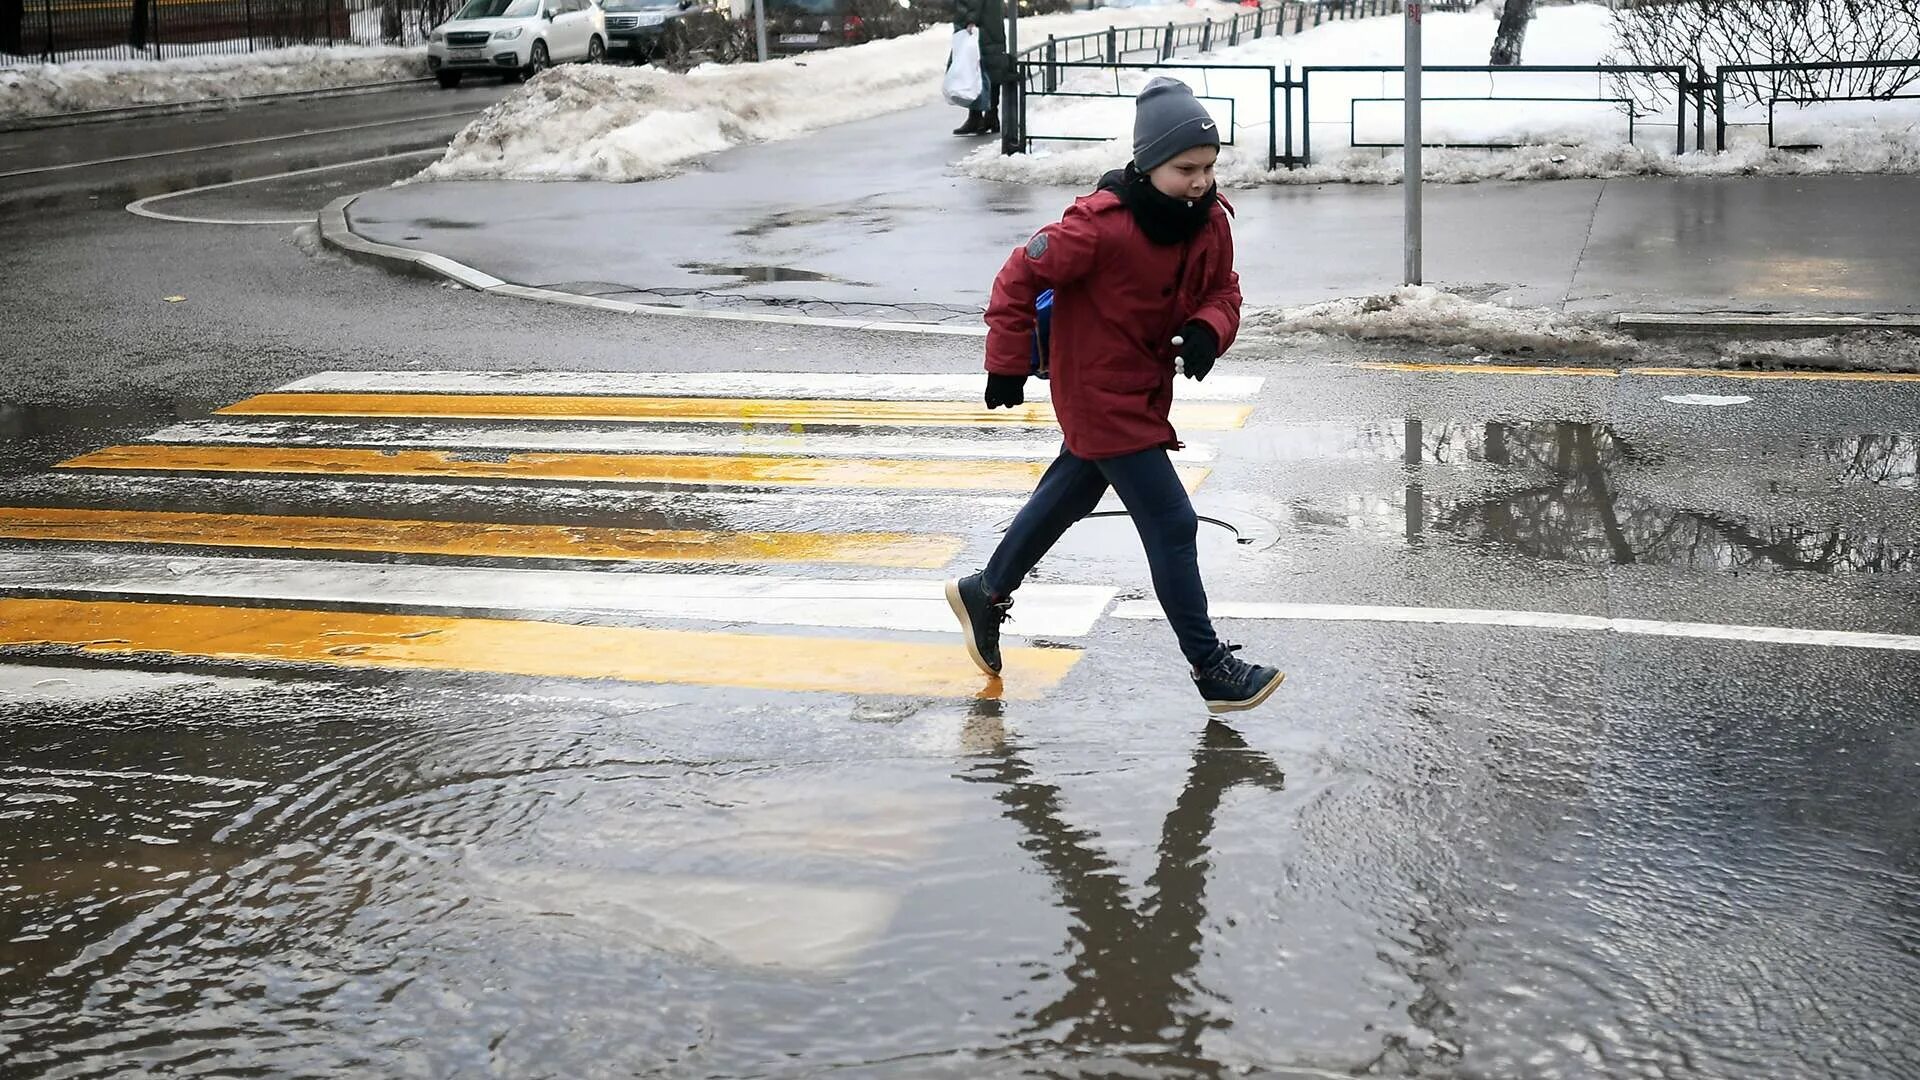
{"x":1168,"y":121}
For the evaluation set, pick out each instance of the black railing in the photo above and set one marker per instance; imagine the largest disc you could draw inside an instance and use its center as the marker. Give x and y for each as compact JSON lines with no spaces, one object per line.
{"x":1745,"y":73}
{"x":1117,"y":48}
{"x":1675,"y":76}
{"x":1230,"y":125}
{"x":36,"y":31}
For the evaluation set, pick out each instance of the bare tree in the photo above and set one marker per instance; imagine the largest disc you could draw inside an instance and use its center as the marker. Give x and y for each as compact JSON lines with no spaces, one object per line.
{"x":1708,"y":33}
{"x":1507,"y":40}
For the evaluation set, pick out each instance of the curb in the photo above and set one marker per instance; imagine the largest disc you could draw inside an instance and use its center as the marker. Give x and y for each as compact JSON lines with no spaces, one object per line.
{"x":1653,"y":324}
{"x":174,"y":108}
{"x":336,"y":232}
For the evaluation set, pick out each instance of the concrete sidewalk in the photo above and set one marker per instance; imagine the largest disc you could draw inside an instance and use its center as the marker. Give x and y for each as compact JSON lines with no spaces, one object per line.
{"x":870,"y":219}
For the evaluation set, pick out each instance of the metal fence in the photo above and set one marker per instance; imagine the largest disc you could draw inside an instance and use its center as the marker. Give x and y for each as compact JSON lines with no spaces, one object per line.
{"x":1656,"y":96}
{"x":1746,"y":74}
{"x":1606,"y":78}
{"x":37,"y":31}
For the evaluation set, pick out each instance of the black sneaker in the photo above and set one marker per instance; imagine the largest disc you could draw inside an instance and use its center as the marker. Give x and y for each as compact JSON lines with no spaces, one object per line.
{"x":980,"y":616}
{"x":1230,"y":684}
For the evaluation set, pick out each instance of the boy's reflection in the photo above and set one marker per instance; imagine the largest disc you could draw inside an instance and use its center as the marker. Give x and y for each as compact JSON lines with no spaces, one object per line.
{"x":1131,"y":980}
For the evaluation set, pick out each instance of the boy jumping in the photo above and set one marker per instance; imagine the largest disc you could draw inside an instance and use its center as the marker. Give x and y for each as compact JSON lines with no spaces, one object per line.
{"x":1144,"y":288}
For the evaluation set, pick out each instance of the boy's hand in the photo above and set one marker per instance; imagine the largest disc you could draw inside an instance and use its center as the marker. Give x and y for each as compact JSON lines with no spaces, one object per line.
{"x":1198,"y":350}
{"x":1006,"y":390}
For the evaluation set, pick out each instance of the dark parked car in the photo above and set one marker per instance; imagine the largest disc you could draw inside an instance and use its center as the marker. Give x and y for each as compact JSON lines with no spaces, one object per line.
{"x":644,"y":30}
{"x":800,"y":26}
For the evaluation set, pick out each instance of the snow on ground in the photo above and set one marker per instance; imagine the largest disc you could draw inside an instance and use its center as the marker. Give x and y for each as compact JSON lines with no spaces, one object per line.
{"x":625,"y":124}
{"x":56,"y":88}
{"x":1448,"y":320}
{"x":1439,"y":323}
{"x":1549,"y":139}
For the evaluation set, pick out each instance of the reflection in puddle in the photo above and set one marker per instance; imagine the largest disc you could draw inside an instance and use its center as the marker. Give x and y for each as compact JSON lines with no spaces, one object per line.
{"x":763,"y":274}
{"x":1571,"y":507}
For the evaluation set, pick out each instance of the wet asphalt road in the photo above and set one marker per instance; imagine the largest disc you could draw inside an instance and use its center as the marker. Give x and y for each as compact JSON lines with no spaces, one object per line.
{"x":1441,"y":851}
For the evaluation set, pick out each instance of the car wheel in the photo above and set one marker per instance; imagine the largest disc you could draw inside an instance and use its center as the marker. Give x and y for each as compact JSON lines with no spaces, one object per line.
{"x":596,"y":51}
{"x":536,"y":60}
{"x":448,"y":79}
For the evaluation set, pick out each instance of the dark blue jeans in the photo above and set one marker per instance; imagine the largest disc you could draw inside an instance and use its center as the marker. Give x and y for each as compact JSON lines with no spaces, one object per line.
{"x":1161,"y":511}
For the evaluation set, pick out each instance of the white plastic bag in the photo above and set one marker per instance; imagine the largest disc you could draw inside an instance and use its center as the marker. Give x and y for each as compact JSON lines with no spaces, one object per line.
{"x":964,"y":83}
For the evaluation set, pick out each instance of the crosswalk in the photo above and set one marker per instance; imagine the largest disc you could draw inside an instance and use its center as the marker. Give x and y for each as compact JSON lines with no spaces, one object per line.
{"x":409,"y":521}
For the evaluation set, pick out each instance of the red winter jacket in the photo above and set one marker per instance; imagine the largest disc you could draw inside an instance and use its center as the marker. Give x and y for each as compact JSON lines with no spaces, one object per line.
{"x":1118,"y":302}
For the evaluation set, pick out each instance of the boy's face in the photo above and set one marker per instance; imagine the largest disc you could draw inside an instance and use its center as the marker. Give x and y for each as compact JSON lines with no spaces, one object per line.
{"x":1187,"y":176}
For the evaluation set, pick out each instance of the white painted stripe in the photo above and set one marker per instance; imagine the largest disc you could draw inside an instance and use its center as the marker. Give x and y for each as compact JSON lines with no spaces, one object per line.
{"x":238,"y":142}
{"x":316,"y":431}
{"x":729,"y":509}
{"x":1542,"y":620}
{"x":141,"y":206}
{"x":832,"y":386}
{"x":740,"y":599}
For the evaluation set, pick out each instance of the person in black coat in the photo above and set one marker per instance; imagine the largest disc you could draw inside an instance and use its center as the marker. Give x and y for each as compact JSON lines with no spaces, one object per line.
{"x":989,"y":19}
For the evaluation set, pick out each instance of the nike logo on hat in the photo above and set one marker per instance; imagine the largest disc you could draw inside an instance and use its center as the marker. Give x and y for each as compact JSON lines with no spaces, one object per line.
{"x":1206,"y":127}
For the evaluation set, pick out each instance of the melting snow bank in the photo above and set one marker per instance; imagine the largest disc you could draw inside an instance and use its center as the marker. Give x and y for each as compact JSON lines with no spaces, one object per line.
{"x":1459,"y":326}
{"x":1430,"y":316}
{"x":48,"y":89}
{"x":626,"y":124}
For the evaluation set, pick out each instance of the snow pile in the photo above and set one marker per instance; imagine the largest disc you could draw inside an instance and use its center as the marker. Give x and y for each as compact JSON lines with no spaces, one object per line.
{"x":624,"y":124}
{"x":1422,"y":313}
{"x":1549,"y":140}
{"x":58,"y":88}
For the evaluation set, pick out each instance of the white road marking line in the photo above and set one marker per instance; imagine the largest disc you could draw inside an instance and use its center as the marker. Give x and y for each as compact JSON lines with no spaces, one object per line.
{"x":584,"y":439}
{"x":1707,"y":400}
{"x":1543,"y":620}
{"x":730,"y":509}
{"x":32,"y":684}
{"x":1055,"y":611}
{"x":237,"y":142}
{"x":140,"y":206}
{"x":805,"y":385}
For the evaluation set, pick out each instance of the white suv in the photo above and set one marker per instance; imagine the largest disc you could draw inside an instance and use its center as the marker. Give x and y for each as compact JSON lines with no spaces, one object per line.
{"x":516,"y":38}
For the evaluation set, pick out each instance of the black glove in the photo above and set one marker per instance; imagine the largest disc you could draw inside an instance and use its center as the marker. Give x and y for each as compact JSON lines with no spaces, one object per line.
{"x":1007,"y":390}
{"x":1198,"y":350}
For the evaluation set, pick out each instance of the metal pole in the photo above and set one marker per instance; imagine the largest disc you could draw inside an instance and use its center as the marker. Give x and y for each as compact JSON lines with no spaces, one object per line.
{"x":1680,"y":92}
{"x":760,"y":29}
{"x":1012,"y":139}
{"x":1411,"y":181}
{"x":1720,"y":110}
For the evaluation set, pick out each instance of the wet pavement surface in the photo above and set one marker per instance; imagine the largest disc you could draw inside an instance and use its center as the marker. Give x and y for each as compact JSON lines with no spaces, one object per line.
{"x":316,"y":823}
{"x":845,"y":215}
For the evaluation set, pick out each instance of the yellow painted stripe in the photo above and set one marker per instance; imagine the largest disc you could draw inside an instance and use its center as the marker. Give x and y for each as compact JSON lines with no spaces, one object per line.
{"x":1196,"y":415}
{"x":1489,"y":369}
{"x":717,"y":469}
{"x":475,"y":538}
{"x":1793,"y":376}
{"x":514,"y":647}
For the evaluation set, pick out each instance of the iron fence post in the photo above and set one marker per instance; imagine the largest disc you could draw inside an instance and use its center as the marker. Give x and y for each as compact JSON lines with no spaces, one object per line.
{"x":1053,"y":71}
{"x":1700,"y":107}
{"x":1720,"y":110}
{"x":1680,"y":95}
{"x":47,"y":10}
{"x":1306,"y":116}
{"x":1286,"y":97}
{"x":1206,"y":37}
{"x":1166,"y":43}
{"x":1113,"y":45}
{"x":249,"y":25}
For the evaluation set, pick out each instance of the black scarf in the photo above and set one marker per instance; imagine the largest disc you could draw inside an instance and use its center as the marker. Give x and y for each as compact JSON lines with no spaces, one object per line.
{"x":1165,"y":219}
